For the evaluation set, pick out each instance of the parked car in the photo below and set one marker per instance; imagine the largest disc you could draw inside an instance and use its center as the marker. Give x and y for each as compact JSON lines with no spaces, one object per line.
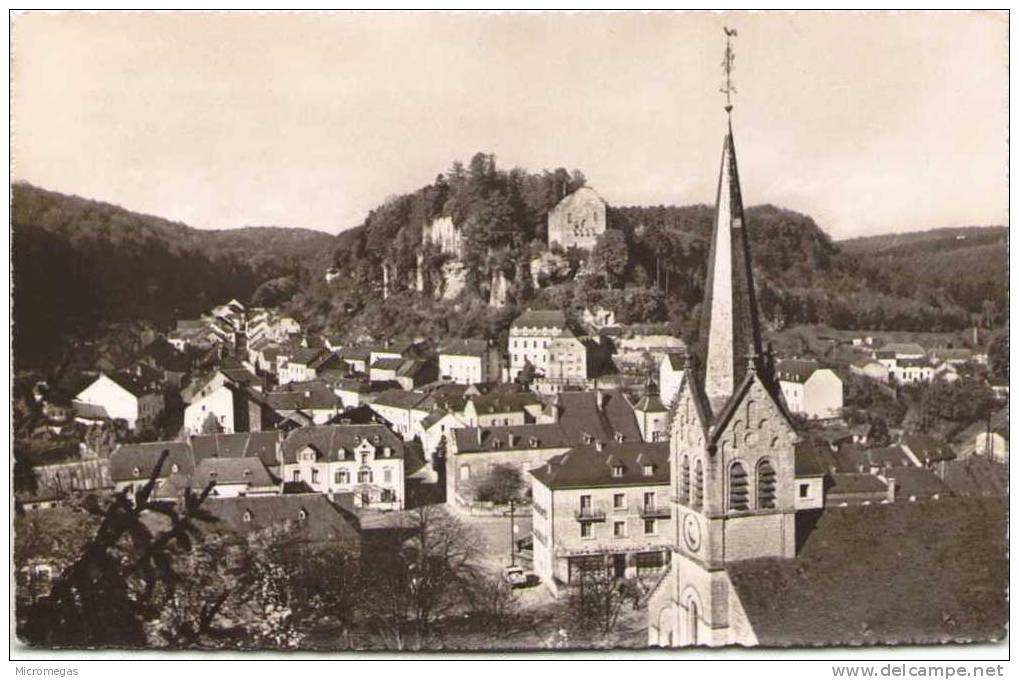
{"x":515,"y":576}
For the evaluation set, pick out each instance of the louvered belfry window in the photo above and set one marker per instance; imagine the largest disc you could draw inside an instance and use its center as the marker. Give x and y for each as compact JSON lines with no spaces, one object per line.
{"x":698,"y":486}
{"x":684,"y":481}
{"x":739,"y":493}
{"x":766,"y":484}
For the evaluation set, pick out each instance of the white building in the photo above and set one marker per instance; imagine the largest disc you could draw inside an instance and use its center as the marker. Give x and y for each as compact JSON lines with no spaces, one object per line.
{"x":577,"y":220}
{"x":127,"y":397}
{"x":365,"y":461}
{"x":543,"y":339}
{"x":670,"y":376}
{"x":809,"y":389}
{"x":467,"y":362}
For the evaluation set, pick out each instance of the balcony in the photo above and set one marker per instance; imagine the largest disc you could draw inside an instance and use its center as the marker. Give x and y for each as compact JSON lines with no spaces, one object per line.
{"x":589,"y":515}
{"x":655,"y":512}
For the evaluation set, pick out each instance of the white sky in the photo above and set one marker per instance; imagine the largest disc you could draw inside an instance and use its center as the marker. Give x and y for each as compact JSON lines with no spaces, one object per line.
{"x":870,"y":123}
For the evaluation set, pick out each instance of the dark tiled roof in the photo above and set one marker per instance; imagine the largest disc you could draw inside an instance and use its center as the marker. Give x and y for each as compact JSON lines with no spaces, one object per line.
{"x":676,"y":360}
{"x":976,"y":476}
{"x":809,"y":461}
{"x":337,"y":442}
{"x":928,"y":449}
{"x":916,"y":482}
{"x":545,"y":436}
{"x":89,"y":411}
{"x":306,"y":355}
{"x":470,"y":347}
{"x":502,"y":401}
{"x":651,"y":403}
{"x":398,"y":398}
{"x":850,"y":458}
{"x":540,"y":319}
{"x":137,"y":385}
{"x":586,"y":466}
{"x":795,"y":370}
{"x":903,"y":348}
{"x":387,"y":364}
{"x":855,"y":482}
{"x":308,"y":517}
{"x":261,"y":445}
{"x":580,"y":415}
{"x":144,"y":457}
{"x":231,"y":471}
{"x":300,"y":396}
{"x":902,"y":573}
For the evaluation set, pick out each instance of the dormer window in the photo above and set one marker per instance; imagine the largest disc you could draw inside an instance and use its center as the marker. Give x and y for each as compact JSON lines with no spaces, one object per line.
{"x":496,"y":443}
{"x":136,"y":472}
{"x":175,"y":468}
{"x":649,"y":470}
{"x":619,"y":437}
{"x":387,"y":452}
{"x":302,"y":515}
{"x":618,"y":470}
{"x":247,"y":516}
{"x":533,"y":441}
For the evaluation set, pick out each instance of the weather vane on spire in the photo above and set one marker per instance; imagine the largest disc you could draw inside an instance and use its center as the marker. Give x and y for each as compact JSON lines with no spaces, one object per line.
{"x":727,"y":65}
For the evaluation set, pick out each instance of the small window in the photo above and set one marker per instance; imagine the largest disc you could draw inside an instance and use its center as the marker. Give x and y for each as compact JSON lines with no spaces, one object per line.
{"x":175,"y":468}
{"x":247,"y":516}
{"x":649,"y":470}
{"x":619,"y":529}
{"x":649,"y":527}
{"x":296,"y":476}
{"x":586,"y":530}
{"x":465,"y":472}
{"x":619,"y":501}
{"x":387,"y":475}
{"x":617,"y":470}
{"x":314,"y":476}
{"x":804,"y":490}
{"x":136,"y":472}
{"x":302,"y":515}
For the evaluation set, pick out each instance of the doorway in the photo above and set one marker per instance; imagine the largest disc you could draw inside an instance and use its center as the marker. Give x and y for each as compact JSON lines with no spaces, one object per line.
{"x":619,"y":566}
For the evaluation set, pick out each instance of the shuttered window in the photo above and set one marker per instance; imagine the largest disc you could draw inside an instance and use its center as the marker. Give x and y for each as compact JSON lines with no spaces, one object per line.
{"x":766,"y":484}
{"x":739,"y":492}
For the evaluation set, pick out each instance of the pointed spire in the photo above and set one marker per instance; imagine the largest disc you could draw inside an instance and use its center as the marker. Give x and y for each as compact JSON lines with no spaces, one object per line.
{"x":729,"y":327}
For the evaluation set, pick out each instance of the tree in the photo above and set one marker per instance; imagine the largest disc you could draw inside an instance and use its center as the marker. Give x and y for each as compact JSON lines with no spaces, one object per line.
{"x":597,"y":601}
{"x":408,"y":594}
{"x":612,"y":255}
{"x":106,"y":596}
{"x":997,"y":354}
{"x":527,"y":374}
{"x":211,"y":425}
{"x":502,"y":485}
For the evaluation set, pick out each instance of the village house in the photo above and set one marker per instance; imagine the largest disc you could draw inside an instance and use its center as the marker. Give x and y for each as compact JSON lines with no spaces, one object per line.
{"x":602,"y":507}
{"x":985,"y":438}
{"x":808,"y":389}
{"x":261,"y":445}
{"x":308,"y":518}
{"x":544,"y":340}
{"x":507,"y":405}
{"x":407,"y":373}
{"x":132,"y":465}
{"x":870,"y":369}
{"x":639,"y":353}
{"x":364,"y":463}
{"x":125,"y":396}
{"x":670,"y":376}
{"x":577,"y":220}
{"x":304,"y":363}
{"x":226,"y":400}
{"x":469,"y":361}
{"x":403,"y":410}
{"x":437,"y":430}
{"x":313,"y":398}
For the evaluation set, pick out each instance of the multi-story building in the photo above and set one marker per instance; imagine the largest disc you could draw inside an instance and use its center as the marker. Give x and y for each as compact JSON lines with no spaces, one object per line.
{"x":403,"y":410}
{"x":467,"y":362}
{"x":577,"y":220}
{"x":365,"y":462}
{"x":544,"y":340}
{"x":605,"y":508}
{"x":809,"y":389}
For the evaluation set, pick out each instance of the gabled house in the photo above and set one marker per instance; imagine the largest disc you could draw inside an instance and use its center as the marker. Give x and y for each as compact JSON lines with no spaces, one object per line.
{"x":403,"y":410}
{"x":312,"y":398}
{"x":125,"y":396}
{"x":809,"y":389}
{"x":363,"y":462}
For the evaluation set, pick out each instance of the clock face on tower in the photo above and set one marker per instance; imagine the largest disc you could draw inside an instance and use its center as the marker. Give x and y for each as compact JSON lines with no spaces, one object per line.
{"x":692,"y":532}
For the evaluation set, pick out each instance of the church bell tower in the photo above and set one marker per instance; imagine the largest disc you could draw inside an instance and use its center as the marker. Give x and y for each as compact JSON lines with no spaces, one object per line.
{"x":732,"y":442}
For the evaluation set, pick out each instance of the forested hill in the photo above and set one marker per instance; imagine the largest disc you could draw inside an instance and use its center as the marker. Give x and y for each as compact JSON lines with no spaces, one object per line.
{"x":649,"y":266}
{"x":968,"y":266}
{"x":79,"y":264}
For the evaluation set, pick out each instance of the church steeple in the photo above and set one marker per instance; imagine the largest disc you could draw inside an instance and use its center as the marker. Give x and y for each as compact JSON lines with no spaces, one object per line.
{"x":730,"y":331}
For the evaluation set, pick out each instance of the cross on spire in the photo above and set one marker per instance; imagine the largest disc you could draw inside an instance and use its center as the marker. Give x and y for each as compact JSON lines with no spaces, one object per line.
{"x":728,"y":61}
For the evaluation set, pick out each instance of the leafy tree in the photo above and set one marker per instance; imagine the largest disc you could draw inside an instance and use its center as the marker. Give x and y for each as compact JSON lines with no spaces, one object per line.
{"x":503,"y":484}
{"x":611,"y":254}
{"x":997,"y":354}
{"x":211,"y":425}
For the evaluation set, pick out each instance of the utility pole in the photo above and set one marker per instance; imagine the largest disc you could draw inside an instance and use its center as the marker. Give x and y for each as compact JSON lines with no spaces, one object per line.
{"x":513,"y":542}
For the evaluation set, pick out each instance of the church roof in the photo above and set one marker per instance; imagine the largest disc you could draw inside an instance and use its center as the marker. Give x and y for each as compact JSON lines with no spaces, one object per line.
{"x":730,"y":331}
{"x":896,"y":573}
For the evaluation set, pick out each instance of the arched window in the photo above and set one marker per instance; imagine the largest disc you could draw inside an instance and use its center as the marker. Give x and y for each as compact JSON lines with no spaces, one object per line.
{"x":684,"y":481}
{"x":766,"y":483}
{"x":698,"y":485}
{"x":739,"y":493}
{"x":692,"y":621}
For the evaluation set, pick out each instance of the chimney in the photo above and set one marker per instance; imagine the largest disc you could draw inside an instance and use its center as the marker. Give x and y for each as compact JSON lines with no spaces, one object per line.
{"x":478,"y":430}
{"x":891,"y":489}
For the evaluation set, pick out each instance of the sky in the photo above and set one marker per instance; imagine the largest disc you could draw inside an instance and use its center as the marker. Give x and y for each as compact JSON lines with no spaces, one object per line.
{"x":869,"y":122}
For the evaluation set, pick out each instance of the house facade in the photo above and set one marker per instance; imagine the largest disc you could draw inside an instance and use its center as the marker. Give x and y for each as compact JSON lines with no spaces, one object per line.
{"x":544,"y":340}
{"x":603,"y":508}
{"x":124,"y":397}
{"x":467,"y":362}
{"x":365,"y":462}
{"x":809,"y":389}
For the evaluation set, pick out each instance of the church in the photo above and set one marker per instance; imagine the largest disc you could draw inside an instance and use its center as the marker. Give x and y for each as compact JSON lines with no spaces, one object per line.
{"x":740,"y":574}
